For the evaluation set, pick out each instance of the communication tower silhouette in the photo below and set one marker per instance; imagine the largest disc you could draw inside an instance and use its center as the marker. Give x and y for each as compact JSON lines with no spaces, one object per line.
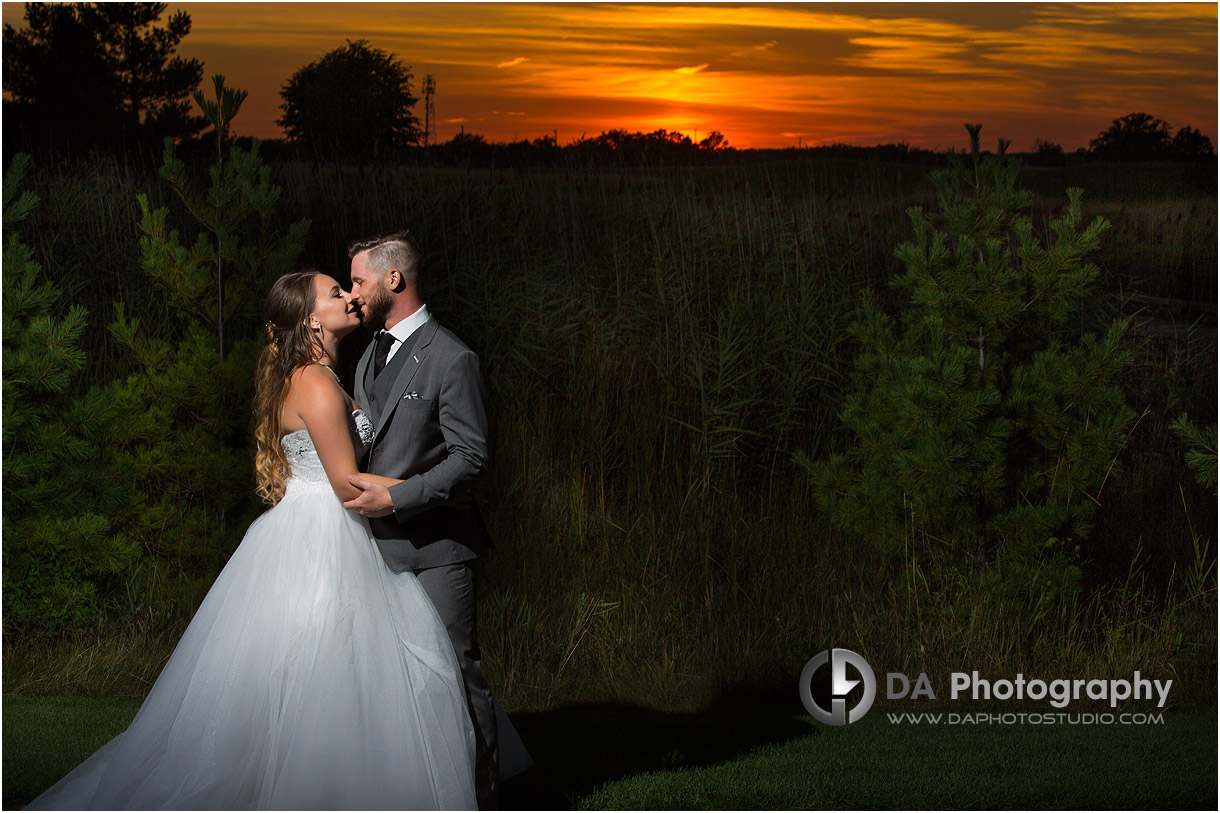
{"x":429,"y":111}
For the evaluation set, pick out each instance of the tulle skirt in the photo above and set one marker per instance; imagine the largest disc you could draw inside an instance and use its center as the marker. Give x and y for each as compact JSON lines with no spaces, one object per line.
{"x":312,"y":677}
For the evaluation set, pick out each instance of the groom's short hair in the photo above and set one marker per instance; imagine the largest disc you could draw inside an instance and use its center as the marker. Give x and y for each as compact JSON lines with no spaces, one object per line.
{"x":396,"y":249}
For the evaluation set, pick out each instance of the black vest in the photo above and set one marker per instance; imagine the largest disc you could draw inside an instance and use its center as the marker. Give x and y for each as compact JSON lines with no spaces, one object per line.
{"x":379,"y":389}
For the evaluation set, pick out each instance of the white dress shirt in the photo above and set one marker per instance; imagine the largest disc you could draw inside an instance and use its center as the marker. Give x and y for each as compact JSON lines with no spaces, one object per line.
{"x":402,"y":331}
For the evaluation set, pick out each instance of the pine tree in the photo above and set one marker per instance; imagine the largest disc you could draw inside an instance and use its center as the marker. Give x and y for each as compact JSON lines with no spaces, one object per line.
{"x":1200,"y":451}
{"x":179,"y":438}
{"x":61,"y":557}
{"x":984,"y":421}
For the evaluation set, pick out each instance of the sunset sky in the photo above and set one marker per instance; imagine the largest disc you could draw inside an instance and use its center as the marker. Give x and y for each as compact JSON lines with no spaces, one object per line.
{"x":765,"y":75}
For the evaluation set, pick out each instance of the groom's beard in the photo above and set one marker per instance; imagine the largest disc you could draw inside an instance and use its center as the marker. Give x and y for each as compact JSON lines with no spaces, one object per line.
{"x":375,"y":309}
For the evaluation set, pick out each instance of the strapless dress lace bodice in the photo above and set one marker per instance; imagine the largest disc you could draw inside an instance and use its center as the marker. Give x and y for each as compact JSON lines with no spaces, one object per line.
{"x":307,"y":473}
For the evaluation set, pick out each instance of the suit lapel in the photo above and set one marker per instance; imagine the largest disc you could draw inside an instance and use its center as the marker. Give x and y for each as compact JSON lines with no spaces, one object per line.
{"x":409,"y":368}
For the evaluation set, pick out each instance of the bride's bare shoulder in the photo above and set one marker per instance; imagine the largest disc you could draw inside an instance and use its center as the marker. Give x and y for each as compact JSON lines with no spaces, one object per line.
{"x":312,"y":375}
{"x":314,"y":384}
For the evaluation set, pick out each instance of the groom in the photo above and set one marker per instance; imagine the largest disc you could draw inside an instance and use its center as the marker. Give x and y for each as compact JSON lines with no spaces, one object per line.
{"x":427,"y":400}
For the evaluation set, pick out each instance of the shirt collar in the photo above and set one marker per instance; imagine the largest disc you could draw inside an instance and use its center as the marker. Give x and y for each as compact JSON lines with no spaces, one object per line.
{"x":403,"y":330}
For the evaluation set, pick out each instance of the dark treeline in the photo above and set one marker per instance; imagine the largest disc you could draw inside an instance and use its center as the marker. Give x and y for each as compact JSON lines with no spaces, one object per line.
{"x":1133,"y":138}
{"x":610,"y":149}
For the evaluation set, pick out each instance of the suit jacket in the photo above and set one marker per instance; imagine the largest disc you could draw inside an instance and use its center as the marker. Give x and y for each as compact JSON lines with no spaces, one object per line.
{"x":429,"y":413}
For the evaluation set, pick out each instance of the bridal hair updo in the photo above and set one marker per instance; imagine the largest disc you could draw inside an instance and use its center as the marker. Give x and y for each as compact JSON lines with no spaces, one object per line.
{"x":288,"y":346}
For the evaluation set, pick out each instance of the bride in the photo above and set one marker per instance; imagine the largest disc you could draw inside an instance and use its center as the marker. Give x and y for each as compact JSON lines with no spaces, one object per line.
{"x":312,"y":677}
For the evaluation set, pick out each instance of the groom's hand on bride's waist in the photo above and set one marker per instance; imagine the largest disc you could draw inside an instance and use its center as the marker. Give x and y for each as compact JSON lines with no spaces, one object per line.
{"x":375,"y":499}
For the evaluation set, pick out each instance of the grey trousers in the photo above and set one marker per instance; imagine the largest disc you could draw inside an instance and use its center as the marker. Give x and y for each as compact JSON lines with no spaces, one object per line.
{"x":454,"y":592}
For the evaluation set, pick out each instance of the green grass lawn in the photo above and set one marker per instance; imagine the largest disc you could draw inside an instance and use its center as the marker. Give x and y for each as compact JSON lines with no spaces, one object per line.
{"x":46,"y":737}
{"x":876,"y":765}
{"x":607,"y":756}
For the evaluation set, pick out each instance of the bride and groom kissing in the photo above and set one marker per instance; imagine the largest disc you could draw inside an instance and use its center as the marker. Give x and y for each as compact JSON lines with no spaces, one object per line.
{"x":335,"y":662}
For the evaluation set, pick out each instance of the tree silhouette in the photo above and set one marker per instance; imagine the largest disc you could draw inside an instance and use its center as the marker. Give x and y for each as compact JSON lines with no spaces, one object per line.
{"x":353,"y":102}
{"x":1046,"y":154}
{"x":1134,"y":137}
{"x":55,"y":72}
{"x":1190,"y":145}
{"x":93,"y":73}
{"x":155,"y":85}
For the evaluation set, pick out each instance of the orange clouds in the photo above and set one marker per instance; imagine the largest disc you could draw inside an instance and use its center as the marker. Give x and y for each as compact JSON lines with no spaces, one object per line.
{"x":759,"y":73}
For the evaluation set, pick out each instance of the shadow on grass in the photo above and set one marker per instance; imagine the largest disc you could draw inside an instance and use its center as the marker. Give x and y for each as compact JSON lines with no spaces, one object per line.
{"x":578,"y":748}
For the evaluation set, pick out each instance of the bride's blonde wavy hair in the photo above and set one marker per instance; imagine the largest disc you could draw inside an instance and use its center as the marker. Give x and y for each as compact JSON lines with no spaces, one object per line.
{"x":289,"y":345}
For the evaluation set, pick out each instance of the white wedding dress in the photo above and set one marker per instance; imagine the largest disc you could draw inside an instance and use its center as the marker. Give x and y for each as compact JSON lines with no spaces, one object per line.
{"x":312,"y":677}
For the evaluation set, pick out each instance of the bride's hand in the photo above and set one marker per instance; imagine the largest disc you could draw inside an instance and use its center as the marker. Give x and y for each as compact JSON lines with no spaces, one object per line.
{"x":374,"y":499}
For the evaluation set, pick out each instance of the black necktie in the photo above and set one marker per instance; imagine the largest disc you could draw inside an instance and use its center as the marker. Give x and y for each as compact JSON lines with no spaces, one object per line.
{"x":384,"y":342}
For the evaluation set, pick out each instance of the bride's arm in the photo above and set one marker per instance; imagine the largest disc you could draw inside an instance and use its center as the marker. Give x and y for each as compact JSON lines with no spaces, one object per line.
{"x":462,"y":497}
{"x":383,"y":481}
{"x":323,"y":406}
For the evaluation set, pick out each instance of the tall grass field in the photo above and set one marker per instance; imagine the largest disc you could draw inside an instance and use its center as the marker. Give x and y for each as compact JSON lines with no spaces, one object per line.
{"x":659,"y":345}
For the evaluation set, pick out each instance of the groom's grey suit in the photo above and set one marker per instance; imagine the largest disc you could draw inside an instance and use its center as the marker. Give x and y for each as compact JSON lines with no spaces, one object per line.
{"x":428,"y":407}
